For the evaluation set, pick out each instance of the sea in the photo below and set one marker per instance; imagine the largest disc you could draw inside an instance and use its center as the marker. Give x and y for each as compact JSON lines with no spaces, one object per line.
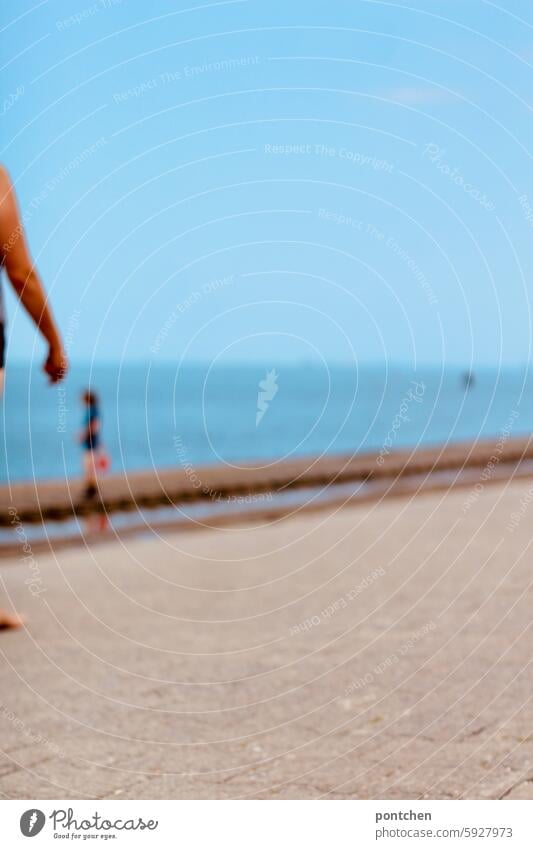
{"x":194,"y":414}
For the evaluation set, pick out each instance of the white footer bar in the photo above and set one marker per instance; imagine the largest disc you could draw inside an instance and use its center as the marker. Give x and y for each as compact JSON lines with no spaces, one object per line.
{"x":267,"y":824}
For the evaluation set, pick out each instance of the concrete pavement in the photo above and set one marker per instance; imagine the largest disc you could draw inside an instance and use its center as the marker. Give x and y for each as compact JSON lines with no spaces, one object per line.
{"x":378,"y":651}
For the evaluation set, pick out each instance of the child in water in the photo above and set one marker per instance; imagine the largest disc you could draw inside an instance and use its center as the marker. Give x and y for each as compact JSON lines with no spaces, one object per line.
{"x":90,"y":441}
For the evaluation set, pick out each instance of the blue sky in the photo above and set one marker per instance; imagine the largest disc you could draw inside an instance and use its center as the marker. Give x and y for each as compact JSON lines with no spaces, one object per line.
{"x":243,"y":180}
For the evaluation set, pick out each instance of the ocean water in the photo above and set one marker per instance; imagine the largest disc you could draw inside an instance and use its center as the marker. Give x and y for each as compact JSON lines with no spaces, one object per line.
{"x":166,"y":416}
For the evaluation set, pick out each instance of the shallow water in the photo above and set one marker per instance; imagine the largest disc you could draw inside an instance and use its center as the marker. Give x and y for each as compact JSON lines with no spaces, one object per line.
{"x":145,"y":522}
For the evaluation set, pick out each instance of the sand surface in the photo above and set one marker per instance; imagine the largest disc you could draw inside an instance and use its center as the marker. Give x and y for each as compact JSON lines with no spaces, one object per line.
{"x":378,"y":651}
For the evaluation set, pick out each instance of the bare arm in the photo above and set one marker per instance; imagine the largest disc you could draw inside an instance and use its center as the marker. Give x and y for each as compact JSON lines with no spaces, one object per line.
{"x":16,"y":259}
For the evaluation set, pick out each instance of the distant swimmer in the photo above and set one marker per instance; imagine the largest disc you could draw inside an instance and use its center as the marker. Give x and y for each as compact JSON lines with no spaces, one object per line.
{"x":469,"y":379}
{"x":17,"y":263}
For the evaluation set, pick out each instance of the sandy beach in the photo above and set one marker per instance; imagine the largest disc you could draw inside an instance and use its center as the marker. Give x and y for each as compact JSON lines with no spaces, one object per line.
{"x":371,"y":651}
{"x":60,"y":499}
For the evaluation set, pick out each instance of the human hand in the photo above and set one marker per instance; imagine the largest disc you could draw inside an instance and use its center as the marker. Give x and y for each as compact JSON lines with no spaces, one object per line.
{"x":56,"y":364}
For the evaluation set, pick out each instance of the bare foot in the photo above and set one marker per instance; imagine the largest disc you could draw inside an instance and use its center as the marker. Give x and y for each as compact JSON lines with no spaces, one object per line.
{"x":10,"y":620}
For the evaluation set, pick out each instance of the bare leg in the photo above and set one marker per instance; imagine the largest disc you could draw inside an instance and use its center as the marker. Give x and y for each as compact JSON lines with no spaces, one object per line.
{"x":10,"y":620}
{"x":90,"y":474}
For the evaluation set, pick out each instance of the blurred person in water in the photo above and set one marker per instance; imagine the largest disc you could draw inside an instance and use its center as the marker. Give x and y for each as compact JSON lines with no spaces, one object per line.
{"x":90,"y":438}
{"x":16,"y":262}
